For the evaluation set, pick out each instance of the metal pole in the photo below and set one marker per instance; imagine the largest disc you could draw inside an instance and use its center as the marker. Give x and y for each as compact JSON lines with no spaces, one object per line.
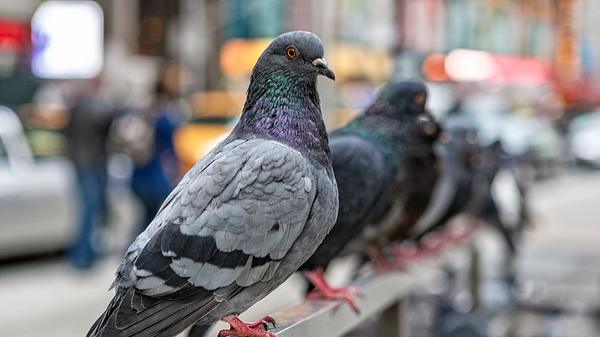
{"x":393,"y":321}
{"x":474,"y":275}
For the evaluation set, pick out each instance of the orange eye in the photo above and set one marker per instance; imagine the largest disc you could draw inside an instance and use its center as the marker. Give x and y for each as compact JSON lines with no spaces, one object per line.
{"x":291,"y":52}
{"x":420,"y":99}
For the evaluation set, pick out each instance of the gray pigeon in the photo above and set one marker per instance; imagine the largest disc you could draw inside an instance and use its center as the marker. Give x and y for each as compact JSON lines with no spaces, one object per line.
{"x":244,"y":218}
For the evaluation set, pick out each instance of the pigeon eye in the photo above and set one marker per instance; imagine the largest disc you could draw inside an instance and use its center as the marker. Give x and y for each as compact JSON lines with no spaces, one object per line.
{"x":420,"y":99}
{"x":291,"y":53}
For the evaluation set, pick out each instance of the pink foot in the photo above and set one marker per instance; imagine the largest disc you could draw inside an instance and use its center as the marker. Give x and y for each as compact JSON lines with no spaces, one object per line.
{"x":238,"y":328}
{"x":459,"y":234}
{"x":406,"y":252}
{"x":433,"y":244}
{"x":325,"y":291}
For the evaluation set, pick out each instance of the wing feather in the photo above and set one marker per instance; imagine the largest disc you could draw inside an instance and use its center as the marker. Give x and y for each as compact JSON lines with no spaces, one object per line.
{"x":232,"y":222}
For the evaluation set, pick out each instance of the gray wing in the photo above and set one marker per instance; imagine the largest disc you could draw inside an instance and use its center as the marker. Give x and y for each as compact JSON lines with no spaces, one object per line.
{"x":440,"y":208}
{"x":123,"y":277}
{"x":231,"y":224}
{"x":507,"y":195}
{"x":226,"y":226}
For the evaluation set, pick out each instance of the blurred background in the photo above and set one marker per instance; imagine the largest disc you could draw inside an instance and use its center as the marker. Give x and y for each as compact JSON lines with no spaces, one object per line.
{"x":104,"y":105}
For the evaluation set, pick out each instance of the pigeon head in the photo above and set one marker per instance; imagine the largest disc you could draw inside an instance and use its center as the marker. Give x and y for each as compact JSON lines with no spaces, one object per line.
{"x":399,"y":110}
{"x":282,"y":102}
{"x":297,"y":56}
{"x":404,"y":97}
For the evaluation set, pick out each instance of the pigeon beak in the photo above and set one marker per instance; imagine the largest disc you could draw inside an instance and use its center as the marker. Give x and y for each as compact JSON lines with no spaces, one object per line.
{"x":324,"y":70}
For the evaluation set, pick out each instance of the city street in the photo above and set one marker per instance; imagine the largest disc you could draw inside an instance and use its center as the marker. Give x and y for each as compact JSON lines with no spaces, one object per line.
{"x":559,"y":270}
{"x":479,"y":120}
{"x":51,"y":299}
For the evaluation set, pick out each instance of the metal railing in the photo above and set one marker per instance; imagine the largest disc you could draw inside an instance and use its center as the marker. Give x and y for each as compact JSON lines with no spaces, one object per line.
{"x":383,"y":295}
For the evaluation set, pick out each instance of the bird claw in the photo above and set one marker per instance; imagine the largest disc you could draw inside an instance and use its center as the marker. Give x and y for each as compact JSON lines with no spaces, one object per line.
{"x":324,"y":291}
{"x":238,"y":328}
{"x":433,"y":244}
{"x":345,"y":294}
{"x":407,"y":252}
{"x":459,"y":234}
{"x":264,"y":322}
{"x":401,"y":255}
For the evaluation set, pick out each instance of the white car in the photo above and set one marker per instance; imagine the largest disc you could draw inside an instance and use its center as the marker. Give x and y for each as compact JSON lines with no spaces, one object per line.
{"x":37,"y":196}
{"x":584,"y":138}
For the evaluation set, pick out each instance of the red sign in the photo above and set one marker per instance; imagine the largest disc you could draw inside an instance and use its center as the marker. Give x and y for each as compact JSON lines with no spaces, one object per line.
{"x":523,"y":70}
{"x":15,"y":36}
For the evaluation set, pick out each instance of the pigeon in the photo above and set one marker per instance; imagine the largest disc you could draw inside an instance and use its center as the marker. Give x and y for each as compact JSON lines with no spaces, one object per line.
{"x":454,"y":188}
{"x":384,"y":165}
{"x":244,"y":218}
{"x":478,"y":181}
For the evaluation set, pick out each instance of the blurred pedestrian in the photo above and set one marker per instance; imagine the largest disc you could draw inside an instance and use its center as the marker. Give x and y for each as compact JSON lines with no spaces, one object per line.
{"x":87,"y":132}
{"x":155,"y":176}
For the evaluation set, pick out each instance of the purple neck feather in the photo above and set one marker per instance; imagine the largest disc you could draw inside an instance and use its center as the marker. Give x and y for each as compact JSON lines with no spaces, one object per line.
{"x":289,"y":114}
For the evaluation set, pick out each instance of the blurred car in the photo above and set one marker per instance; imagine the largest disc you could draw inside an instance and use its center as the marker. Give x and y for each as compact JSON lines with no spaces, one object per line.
{"x":584,"y":139}
{"x":37,"y":196}
{"x":521,"y":135}
{"x":214,"y":114}
{"x":532,"y":139}
{"x":535,"y":141}
{"x":195,"y":139}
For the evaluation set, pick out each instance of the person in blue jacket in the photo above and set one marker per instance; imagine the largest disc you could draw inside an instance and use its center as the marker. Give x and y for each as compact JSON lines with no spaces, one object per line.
{"x":153,"y":179}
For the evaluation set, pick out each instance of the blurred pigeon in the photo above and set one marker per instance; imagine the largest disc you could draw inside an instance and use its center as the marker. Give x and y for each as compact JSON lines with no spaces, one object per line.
{"x":508,"y":192}
{"x":477,"y":181}
{"x":244,"y":218}
{"x":454,"y":188}
{"x":385,"y":168}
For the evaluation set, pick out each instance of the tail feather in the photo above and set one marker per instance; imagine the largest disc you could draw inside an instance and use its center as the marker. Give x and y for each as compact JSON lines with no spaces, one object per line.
{"x":103,"y":319}
{"x":126,"y":317}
